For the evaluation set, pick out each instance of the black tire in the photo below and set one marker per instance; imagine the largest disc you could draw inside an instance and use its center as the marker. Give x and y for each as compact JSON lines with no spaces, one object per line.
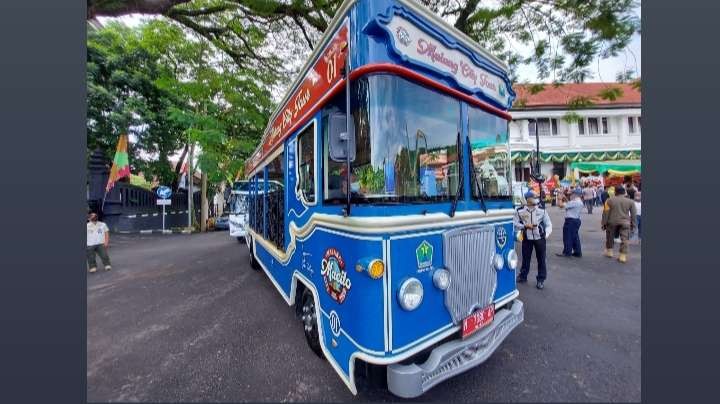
{"x":240,"y":239}
{"x":253,"y":262}
{"x":310,"y":324}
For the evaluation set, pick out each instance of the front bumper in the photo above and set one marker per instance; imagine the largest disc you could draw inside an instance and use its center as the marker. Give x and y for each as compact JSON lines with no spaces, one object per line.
{"x":454,"y":357}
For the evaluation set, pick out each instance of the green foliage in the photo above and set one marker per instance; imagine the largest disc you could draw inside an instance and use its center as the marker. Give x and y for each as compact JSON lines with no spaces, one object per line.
{"x":580,"y":102}
{"x":536,"y":88}
{"x":560,"y":38}
{"x":371,"y":180}
{"x":169,"y":87}
{"x":611,"y":93}
{"x":572,"y":117}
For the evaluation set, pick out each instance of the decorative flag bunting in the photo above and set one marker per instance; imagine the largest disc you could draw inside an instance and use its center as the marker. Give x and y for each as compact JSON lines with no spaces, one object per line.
{"x":121,"y":165}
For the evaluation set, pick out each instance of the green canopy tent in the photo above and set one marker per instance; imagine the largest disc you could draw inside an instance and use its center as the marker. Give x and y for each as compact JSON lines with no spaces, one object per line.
{"x":619,"y":167}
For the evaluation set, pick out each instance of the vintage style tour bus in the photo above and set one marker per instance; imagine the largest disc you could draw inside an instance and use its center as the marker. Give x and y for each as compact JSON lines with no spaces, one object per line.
{"x":389,"y":227}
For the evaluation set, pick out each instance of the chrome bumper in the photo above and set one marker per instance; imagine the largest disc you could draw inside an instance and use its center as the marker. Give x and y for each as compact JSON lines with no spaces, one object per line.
{"x":453,"y":357}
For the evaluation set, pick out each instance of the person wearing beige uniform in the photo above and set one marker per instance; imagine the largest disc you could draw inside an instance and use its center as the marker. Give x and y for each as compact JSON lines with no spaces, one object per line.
{"x":619,"y":215}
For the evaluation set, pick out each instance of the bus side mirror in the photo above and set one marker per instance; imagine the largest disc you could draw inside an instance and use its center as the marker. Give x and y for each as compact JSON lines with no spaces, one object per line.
{"x":340,"y":141}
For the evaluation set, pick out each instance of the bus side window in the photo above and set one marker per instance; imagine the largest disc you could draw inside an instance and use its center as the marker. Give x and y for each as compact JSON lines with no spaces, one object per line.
{"x":306,"y":163}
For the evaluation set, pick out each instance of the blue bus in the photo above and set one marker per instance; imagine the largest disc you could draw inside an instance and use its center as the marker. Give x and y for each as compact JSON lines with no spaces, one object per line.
{"x":391,"y":228}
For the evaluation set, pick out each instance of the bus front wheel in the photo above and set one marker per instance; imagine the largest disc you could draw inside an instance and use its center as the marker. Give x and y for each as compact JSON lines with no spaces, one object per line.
{"x":310,"y":324}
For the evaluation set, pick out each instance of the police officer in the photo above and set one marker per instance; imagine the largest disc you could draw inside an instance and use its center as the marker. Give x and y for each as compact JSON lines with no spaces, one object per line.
{"x":571,"y":227}
{"x":535,"y":225}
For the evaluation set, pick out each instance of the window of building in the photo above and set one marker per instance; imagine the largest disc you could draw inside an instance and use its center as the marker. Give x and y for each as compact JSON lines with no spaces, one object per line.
{"x":604,"y":125}
{"x":639,"y":126}
{"x":559,"y":169}
{"x":306,"y":163}
{"x":631,"y":124}
{"x":581,"y":126}
{"x":593,"y":126}
{"x":545,"y":126}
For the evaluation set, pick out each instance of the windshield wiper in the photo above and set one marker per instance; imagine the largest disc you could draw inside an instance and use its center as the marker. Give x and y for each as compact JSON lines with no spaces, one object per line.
{"x":475,"y":179}
{"x":460,"y":170}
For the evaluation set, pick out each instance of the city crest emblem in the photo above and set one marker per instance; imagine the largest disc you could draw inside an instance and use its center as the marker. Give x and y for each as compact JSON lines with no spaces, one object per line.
{"x":337,"y":283}
{"x":500,"y":236}
{"x":424,"y":254}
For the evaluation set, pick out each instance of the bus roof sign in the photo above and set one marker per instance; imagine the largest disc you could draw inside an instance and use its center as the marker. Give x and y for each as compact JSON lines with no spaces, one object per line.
{"x":324,"y":75}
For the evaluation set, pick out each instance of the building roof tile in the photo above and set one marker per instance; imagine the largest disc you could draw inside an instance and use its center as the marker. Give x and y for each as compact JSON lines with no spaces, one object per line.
{"x":564,"y":94}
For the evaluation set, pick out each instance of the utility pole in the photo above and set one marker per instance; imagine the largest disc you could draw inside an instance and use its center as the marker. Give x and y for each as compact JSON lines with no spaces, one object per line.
{"x":204,"y":204}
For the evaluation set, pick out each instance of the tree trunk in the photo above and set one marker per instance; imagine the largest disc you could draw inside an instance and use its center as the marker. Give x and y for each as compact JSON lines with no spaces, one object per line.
{"x":178,"y":167}
{"x":203,"y":203}
{"x":114,"y":8}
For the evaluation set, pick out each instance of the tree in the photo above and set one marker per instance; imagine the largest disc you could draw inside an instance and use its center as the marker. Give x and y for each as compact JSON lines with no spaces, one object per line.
{"x":169,"y":88}
{"x":123,"y":98}
{"x":561,"y":38}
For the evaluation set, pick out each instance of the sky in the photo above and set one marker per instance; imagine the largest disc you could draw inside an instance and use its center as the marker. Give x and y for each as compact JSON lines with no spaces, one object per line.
{"x":603,"y":70}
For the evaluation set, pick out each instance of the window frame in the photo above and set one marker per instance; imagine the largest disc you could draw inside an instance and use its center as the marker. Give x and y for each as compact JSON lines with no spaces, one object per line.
{"x":552,"y":126}
{"x":299,"y":191}
{"x":597,"y":126}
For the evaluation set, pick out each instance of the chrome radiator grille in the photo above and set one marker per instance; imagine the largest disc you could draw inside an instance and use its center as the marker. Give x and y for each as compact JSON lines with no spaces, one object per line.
{"x":468,"y":254}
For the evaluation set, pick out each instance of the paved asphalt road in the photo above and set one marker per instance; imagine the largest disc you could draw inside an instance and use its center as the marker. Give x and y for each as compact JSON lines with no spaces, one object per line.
{"x":184,"y":318}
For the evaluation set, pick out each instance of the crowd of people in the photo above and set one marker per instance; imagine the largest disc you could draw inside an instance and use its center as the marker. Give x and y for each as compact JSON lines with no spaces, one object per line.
{"x":621,"y":221}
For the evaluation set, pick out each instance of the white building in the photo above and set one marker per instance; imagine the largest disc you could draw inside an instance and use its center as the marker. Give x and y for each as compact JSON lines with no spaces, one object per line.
{"x":606,"y":130}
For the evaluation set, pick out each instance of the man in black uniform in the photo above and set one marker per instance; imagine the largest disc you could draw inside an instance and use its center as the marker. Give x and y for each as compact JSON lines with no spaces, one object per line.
{"x":535,"y":225}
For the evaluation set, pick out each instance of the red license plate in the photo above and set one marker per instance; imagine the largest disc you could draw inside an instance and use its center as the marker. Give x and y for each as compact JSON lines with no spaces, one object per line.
{"x":478,"y":320}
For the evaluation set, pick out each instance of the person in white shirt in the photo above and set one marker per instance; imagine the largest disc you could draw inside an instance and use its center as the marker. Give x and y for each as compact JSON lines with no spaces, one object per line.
{"x":637,"y":208}
{"x":98,"y":239}
{"x":535,"y":225}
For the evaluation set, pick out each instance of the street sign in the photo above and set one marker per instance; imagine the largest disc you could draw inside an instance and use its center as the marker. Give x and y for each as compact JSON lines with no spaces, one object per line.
{"x":164,"y":201}
{"x":164,"y":192}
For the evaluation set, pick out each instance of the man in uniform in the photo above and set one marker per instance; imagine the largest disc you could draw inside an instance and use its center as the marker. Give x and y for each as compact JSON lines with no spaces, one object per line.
{"x":571,"y":227}
{"x":535,"y":225}
{"x":619,"y":216}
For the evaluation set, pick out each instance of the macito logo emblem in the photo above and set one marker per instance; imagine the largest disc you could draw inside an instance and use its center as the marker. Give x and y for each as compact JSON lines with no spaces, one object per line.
{"x":403,"y":36}
{"x":424,"y":254}
{"x":337,"y":283}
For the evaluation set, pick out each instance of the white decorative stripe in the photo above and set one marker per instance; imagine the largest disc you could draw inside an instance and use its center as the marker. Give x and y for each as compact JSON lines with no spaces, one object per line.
{"x":131,"y":216}
{"x":145,"y":215}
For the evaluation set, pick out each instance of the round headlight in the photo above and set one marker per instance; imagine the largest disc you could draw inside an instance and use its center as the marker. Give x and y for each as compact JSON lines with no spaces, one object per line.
{"x":441,"y":279}
{"x":512,"y":259}
{"x":410,"y":294}
{"x":498,"y":262}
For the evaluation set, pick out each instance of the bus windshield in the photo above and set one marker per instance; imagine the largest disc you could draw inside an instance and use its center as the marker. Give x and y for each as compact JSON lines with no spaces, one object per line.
{"x":407,"y":143}
{"x":490,"y":155}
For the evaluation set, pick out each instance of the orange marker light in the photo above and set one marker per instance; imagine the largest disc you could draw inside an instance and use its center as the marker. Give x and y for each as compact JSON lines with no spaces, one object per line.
{"x":376,"y":269}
